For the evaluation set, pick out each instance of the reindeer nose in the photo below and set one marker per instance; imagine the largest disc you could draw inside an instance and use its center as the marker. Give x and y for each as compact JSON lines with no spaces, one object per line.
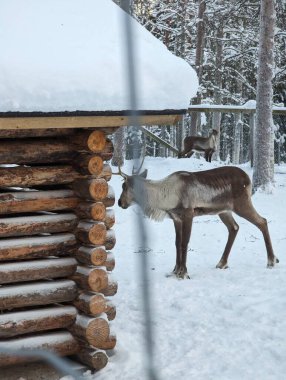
{"x":119,"y":203}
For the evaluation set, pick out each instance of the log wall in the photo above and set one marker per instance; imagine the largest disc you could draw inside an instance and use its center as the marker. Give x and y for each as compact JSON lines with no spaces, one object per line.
{"x":56,"y":239}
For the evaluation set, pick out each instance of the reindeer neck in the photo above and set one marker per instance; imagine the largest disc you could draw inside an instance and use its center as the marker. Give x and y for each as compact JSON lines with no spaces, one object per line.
{"x":152,"y":196}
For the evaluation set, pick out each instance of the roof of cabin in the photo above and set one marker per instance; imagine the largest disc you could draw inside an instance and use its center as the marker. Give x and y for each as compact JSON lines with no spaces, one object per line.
{"x":66,"y":59}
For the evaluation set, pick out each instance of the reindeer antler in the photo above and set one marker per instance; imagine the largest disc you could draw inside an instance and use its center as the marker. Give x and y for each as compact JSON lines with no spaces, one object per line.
{"x":120,"y":172}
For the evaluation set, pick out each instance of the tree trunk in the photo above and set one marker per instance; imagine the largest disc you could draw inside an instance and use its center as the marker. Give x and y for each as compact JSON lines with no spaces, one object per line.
{"x":118,"y":155}
{"x":237,"y":138}
{"x":216,"y":120}
{"x":200,"y":43}
{"x":263,"y":173}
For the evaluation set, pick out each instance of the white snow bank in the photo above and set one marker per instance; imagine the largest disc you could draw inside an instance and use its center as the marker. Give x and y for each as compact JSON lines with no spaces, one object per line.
{"x":68,"y":55}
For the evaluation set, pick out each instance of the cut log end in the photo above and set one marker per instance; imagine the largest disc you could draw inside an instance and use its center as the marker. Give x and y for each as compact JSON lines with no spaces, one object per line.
{"x":95,"y":359}
{"x":96,"y":141}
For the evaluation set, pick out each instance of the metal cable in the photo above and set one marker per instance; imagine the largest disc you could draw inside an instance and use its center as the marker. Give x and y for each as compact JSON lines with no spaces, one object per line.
{"x":142,"y":233}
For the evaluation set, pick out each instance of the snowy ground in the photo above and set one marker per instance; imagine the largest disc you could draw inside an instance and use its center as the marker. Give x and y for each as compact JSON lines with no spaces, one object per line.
{"x":219,"y":325}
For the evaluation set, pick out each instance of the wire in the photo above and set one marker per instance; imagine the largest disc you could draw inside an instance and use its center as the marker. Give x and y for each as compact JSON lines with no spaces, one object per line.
{"x":142,"y":233}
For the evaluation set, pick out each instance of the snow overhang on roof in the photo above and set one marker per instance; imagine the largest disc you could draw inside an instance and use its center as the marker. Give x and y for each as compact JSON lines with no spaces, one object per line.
{"x":69,"y":55}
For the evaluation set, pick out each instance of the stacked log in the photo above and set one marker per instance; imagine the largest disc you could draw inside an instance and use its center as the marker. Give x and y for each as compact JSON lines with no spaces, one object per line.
{"x":96,"y":238}
{"x":55,"y":241}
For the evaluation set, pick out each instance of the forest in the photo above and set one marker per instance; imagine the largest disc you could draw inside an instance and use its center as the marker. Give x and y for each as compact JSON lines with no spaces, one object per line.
{"x":220,"y":39}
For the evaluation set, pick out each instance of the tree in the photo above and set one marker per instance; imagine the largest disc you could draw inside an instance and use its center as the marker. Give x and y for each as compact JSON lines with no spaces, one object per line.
{"x":263,"y":156}
{"x":195,"y":120}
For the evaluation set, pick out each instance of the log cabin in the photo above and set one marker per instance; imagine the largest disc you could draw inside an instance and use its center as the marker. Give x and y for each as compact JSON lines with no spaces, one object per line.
{"x":58,"y":113}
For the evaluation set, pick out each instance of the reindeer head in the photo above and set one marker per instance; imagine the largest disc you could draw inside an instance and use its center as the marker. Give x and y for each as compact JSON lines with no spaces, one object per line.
{"x":128,"y":195}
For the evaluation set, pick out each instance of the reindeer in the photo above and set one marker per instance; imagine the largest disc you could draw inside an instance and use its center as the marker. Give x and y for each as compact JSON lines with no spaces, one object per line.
{"x":184,"y":195}
{"x":208,"y":145}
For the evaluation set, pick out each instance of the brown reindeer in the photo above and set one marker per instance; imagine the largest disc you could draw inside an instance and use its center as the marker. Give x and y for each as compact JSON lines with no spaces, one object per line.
{"x":184,"y":195}
{"x":193,"y":144}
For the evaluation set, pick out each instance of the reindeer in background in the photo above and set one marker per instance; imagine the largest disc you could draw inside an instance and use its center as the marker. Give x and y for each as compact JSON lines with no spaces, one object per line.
{"x":193,"y":144}
{"x":184,"y":195}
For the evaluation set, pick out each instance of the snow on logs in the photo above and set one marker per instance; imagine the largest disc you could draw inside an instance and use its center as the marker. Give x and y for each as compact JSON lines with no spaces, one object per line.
{"x":37,"y":294}
{"x":60,"y":342}
{"x":12,"y":202}
{"x":34,"y":225}
{"x":94,"y":330}
{"x":36,"y":270}
{"x":55,"y":241}
{"x":30,"y":321}
{"x":37,"y":247}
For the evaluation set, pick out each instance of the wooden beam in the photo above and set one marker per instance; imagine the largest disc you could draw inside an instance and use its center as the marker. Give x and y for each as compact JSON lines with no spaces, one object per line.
{"x":92,"y":330}
{"x":23,"y":176}
{"x":36,"y":320}
{"x":32,"y":270}
{"x":37,"y":293}
{"x":84,"y":121}
{"x":96,"y":359}
{"x":37,"y":247}
{"x":39,"y":224}
{"x":60,"y":342}
{"x":159,"y":140}
{"x":31,"y":151}
{"x":94,"y":304}
{"x":231,"y":109}
{"x":30,"y":201}
{"x":24,"y":133}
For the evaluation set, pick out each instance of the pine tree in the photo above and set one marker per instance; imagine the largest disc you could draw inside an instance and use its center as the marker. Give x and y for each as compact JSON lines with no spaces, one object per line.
{"x":263,"y":157}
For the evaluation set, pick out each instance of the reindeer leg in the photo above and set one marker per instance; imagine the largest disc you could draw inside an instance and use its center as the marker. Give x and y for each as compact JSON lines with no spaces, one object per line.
{"x":248,"y":212}
{"x":186,"y":234}
{"x":207,"y":155}
{"x":178,"y":228}
{"x":190,"y":153}
{"x":232,"y":226}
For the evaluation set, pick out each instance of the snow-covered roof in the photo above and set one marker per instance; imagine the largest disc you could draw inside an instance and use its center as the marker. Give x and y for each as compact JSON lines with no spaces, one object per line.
{"x":68,"y":55}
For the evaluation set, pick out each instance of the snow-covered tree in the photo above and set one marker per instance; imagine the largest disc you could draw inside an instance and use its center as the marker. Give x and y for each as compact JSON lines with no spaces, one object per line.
{"x":263,"y":156}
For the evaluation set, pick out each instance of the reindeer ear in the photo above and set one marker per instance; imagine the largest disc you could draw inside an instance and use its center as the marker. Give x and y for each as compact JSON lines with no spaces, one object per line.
{"x":144,"y":173}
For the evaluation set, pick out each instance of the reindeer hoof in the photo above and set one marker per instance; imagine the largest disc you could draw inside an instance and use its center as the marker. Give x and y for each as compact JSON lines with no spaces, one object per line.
{"x":222,"y":265}
{"x":183,"y":276}
{"x":172,"y":274}
{"x":271,"y":263}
